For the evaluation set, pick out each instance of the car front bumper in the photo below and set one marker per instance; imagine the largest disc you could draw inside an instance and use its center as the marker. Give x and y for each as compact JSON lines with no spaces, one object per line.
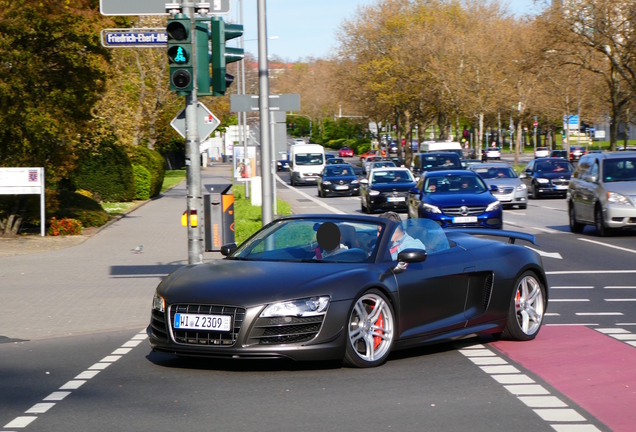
{"x":491,"y":220}
{"x":350,"y":189}
{"x":619,"y":216}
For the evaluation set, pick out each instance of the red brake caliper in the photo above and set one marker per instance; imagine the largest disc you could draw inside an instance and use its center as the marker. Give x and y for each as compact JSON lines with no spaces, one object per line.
{"x":380,"y":323}
{"x":518,"y":299}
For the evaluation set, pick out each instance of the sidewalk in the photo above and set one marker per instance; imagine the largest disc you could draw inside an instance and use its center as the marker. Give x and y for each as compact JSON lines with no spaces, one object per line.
{"x":83,"y":284}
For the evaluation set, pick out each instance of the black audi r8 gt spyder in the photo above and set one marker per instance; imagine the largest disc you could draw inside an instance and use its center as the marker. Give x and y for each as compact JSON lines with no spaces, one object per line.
{"x":286,"y":292}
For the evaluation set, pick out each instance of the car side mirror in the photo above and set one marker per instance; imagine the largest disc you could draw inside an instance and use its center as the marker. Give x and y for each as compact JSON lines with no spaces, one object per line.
{"x":228,"y":249}
{"x":523,"y":175}
{"x":408,"y":256}
{"x":414,"y":191}
{"x":364,"y":181}
{"x":590,"y":178}
{"x":493,"y":188}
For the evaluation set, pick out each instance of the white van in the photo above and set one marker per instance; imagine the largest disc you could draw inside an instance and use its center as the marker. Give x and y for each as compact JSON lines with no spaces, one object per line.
{"x":442,"y":146}
{"x":306,"y":163}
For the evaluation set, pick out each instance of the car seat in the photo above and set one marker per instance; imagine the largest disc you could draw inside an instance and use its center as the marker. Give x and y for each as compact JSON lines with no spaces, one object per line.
{"x":348,"y":236}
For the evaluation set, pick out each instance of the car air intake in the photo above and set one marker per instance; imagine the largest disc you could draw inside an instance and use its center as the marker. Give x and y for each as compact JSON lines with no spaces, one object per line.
{"x":285,"y":330}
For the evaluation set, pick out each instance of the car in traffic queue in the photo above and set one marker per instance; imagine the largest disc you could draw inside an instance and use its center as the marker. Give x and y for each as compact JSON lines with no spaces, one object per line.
{"x":510,"y":190}
{"x":372,"y":153}
{"x":602,"y":192}
{"x":563,"y":154}
{"x":386,"y":189}
{"x":282,"y":165}
{"x":547,"y":177}
{"x":338,"y":179}
{"x":397,"y":161}
{"x":367,"y":162}
{"x":456,"y":198}
{"x":541,"y":152}
{"x":491,"y":153}
{"x":435,"y":161}
{"x":335,"y":160}
{"x":274,"y":298}
{"x":576,"y":152}
{"x":345,"y":152}
{"x":383,"y":163}
{"x":393,"y":148}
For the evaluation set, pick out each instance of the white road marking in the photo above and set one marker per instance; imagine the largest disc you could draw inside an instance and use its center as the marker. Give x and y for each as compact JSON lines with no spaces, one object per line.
{"x":548,"y":230}
{"x":87,"y":375}
{"x":571,"y":287}
{"x":477,"y":352}
{"x":559,"y":414}
{"x":507,"y":369}
{"x":313,"y":199}
{"x":111,"y":358}
{"x":488,"y":360}
{"x":513,"y":379}
{"x":20,"y":422}
{"x":72,"y":385}
{"x":624,"y":337}
{"x":131,"y":343}
{"x":526,"y":389}
{"x":626,"y":324}
{"x":621,"y":300}
{"x":566,"y":272}
{"x":568,"y":300}
{"x":598,"y":313}
{"x":620,"y":287}
{"x":551,"y":314}
{"x":608,"y":245}
{"x":573,"y":324}
{"x":632,"y":344}
{"x":121,"y":351}
{"x":611,"y":330}
{"x":56,"y":396}
{"x":99,"y":366}
{"x":39,"y":408}
{"x":554,"y":255}
{"x":542,"y":401}
{"x":575,"y":428}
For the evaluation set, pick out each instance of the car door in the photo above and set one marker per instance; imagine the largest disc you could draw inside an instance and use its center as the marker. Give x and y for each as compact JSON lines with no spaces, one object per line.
{"x":432,"y":294}
{"x":587,"y":190}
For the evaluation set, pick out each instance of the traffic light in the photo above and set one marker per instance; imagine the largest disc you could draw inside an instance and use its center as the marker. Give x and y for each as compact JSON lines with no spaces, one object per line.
{"x":180,"y":54}
{"x":221,"y":55}
{"x":202,"y":38}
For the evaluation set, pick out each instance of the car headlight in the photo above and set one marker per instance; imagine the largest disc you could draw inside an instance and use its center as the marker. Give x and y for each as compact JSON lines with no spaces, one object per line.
{"x":158,"y":303}
{"x":616,"y":198}
{"x":374,"y":192}
{"x":355,"y":182}
{"x":522,"y":186}
{"x":326,"y":182}
{"x":542,"y":180}
{"x":429,"y":208}
{"x":302,"y":307}
{"x":493,"y":206}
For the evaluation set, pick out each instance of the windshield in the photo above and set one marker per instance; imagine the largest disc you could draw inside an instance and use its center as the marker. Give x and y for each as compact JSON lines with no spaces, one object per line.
{"x":494,"y":173}
{"x":554,"y":167}
{"x":391,"y":176}
{"x":304,"y":240}
{"x":619,"y":170}
{"x":454,"y":184}
{"x":309,"y":159}
{"x":338,"y":171}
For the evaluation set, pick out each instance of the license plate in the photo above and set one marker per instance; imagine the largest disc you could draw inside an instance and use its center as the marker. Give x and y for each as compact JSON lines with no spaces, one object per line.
{"x":342,"y":187}
{"x":560,"y":187}
{"x":202,"y":322}
{"x":395,"y":199}
{"x":465,"y":219}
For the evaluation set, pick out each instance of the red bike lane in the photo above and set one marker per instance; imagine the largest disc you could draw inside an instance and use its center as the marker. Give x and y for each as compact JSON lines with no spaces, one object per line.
{"x":593,"y":370}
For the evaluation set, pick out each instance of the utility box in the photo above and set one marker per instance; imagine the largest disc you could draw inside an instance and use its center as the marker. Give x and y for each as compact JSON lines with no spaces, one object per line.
{"x":218,"y":207}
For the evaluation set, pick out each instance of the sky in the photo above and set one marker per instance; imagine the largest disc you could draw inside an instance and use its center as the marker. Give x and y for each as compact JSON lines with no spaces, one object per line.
{"x":299,"y":29}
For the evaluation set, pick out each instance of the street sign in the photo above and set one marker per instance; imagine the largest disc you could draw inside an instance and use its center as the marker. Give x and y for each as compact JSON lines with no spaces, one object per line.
{"x":207,"y":122}
{"x":247,"y":103}
{"x":135,"y":38}
{"x":152,"y":7}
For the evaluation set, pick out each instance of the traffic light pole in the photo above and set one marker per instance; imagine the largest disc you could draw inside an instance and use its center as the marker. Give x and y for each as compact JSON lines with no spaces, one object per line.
{"x":194,"y":197}
{"x":263,"y":106}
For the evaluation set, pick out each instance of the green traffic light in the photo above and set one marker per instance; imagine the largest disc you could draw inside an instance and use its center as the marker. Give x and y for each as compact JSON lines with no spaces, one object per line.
{"x":180,"y":49}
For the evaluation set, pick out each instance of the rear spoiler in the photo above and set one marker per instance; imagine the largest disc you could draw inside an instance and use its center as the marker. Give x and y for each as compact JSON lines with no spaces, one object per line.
{"x":512,"y":235}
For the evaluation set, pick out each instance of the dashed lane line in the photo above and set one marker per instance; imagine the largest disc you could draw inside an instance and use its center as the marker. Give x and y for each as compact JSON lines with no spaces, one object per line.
{"x":49,"y":401}
{"x":550,"y":408}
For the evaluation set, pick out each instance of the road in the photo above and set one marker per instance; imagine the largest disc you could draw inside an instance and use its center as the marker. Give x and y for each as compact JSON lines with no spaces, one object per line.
{"x":578,"y":374}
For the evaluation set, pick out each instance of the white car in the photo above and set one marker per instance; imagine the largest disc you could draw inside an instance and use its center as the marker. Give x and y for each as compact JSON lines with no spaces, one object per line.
{"x":493,"y":153}
{"x":541,"y":152}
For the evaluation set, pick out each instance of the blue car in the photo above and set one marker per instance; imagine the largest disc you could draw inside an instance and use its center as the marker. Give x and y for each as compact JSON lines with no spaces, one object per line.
{"x":455,"y":199}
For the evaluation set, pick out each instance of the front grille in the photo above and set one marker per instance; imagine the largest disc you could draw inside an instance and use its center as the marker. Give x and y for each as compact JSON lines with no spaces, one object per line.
{"x":285,"y":330}
{"x":206,"y":337}
{"x":470,"y":210}
{"x":560,"y":182}
{"x":503,"y":191}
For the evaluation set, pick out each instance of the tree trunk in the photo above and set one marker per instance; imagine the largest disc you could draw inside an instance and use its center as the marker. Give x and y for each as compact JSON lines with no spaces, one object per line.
{"x":480,"y":135}
{"x":518,"y":142}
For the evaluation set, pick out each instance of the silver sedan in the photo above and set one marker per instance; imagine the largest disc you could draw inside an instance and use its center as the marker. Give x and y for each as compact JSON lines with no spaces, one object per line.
{"x":511,"y":191}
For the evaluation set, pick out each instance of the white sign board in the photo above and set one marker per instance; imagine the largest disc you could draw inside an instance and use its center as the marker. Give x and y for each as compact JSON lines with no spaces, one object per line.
{"x":24,"y":181}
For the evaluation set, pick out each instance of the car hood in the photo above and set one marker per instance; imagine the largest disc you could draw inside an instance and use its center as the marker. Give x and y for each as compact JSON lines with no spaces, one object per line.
{"x":627,"y":188}
{"x":336,"y":179}
{"x":553,"y":175}
{"x":457,"y":199}
{"x":510,"y":182}
{"x":389,"y":187}
{"x":252,"y":283}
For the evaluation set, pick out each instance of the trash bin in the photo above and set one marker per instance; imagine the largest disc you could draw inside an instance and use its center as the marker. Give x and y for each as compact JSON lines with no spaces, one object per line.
{"x":218,"y":207}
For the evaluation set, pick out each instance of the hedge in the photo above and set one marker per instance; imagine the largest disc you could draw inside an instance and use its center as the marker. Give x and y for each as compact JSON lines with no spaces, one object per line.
{"x":153,"y":162}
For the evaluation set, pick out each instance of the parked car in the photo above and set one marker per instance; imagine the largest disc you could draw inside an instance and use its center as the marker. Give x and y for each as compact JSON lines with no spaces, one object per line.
{"x":547,"y":177}
{"x":386,"y":189}
{"x":563,"y":154}
{"x":576,"y":152}
{"x":273,"y":298}
{"x":335,"y":160}
{"x":541,"y":152}
{"x":602,"y":192}
{"x":457,"y":198}
{"x":338,"y":180}
{"x":435,"y":161}
{"x":510,"y":191}
{"x":367,"y":162}
{"x":346,"y":152}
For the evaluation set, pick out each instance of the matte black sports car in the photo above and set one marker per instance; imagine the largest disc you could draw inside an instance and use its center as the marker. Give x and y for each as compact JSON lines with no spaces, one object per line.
{"x":319,"y":287}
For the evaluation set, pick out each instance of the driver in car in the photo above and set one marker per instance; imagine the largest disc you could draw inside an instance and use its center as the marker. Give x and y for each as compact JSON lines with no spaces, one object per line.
{"x":400,"y":239}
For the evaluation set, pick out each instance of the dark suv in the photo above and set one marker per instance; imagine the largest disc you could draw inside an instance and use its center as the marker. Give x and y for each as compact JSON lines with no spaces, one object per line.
{"x":547,"y":176}
{"x":435,"y":161}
